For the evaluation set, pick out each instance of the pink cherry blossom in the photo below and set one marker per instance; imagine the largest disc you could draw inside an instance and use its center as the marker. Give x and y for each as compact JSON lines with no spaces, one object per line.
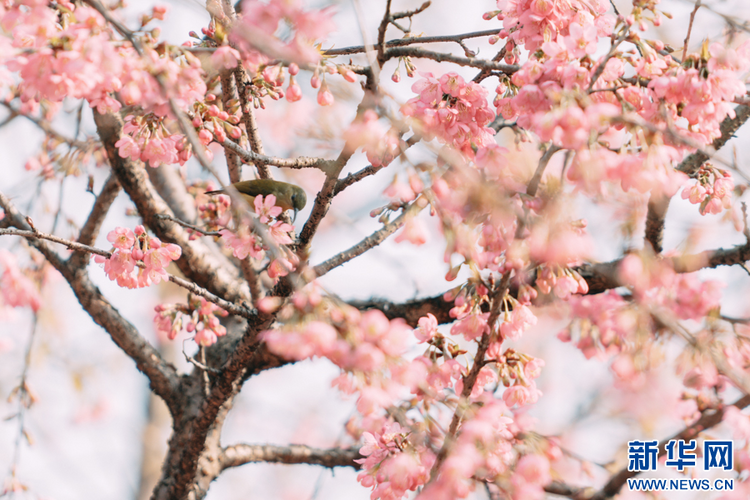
{"x":225,"y":57}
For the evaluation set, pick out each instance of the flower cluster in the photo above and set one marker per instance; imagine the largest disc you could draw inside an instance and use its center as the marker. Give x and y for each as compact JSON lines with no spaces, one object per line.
{"x":245,"y":243}
{"x":575,"y":24}
{"x":530,"y":475}
{"x":214,"y":212}
{"x":398,"y":460}
{"x":482,"y":451}
{"x":358,"y":341}
{"x":75,"y":61}
{"x":713,"y":190}
{"x":452,"y":110}
{"x":681,"y":106}
{"x":198,"y":315}
{"x":562,"y":280}
{"x":656,"y":284}
{"x":259,"y":23}
{"x":146,"y":139}
{"x":73,"y":57}
{"x":137,"y":260}
{"x":606,"y":322}
{"x":381,"y":144}
{"x":603,"y":323}
{"x":395,"y":462}
{"x":701,"y":90}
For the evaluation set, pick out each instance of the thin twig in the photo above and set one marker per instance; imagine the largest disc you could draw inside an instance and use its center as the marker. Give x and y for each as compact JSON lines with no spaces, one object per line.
{"x":737,"y":377}
{"x":690,"y":29}
{"x":189,"y":226}
{"x":413,"y":40}
{"x":600,"y":69}
{"x":51,"y":237}
{"x":380,"y":47}
{"x":25,"y":400}
{"x":190,"y":286}
{"x":543,"y":161}
{"x":371,"y":241}
{"x":47,"y":129}
{"x":354,"y":177}
{"x":420,"y":53}
{"x":471,"y":378}
{"x":256,"y":158}
{"x":248,"y":119}
{"x":411,"y":13}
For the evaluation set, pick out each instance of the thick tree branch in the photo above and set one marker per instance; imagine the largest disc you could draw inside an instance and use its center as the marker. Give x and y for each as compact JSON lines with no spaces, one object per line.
{"x":411,"y":310}
{"x":169,"y":184}
{"x":240,"y":454}
{"x":658,"y":204}
{"x":197,"y":262}
{"x":600,"y":277}
{"x":189,"y":443}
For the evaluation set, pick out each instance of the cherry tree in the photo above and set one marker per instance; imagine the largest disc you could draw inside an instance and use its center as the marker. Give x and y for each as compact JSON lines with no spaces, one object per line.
{"x":574,"y":114}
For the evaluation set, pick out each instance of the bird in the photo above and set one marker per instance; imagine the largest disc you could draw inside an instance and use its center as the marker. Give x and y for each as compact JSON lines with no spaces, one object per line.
{"x":288,"y":196}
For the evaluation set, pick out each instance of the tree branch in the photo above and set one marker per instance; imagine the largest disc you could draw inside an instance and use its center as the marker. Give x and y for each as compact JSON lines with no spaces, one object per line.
{"x":248,"y":119}
{"x":371,"y":241}
{"x":728,"y":127}
{"x":93,"y":224}
{"x":599,"y":277}
{"x":47,"y":129}
{"x":332,"y":170}
{"x":259,"y":159}
{"x":354,"y":177}
{"x":419,"y":53}
{"x":470,"y":378}
{"x":197,"y":262}
{"x":402,"y":42}
{"x":228,"y":93}
{"x":240,"y":454}
{"x":543,"y":162}
{"x":191,"y":287}
{"x":380,"y":47}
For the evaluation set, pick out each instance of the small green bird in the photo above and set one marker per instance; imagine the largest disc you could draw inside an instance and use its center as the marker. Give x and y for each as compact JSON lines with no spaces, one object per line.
{"x":288,"y":196}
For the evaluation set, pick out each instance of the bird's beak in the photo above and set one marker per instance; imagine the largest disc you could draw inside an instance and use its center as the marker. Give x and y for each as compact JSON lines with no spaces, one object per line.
{"x":295,"y":216}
